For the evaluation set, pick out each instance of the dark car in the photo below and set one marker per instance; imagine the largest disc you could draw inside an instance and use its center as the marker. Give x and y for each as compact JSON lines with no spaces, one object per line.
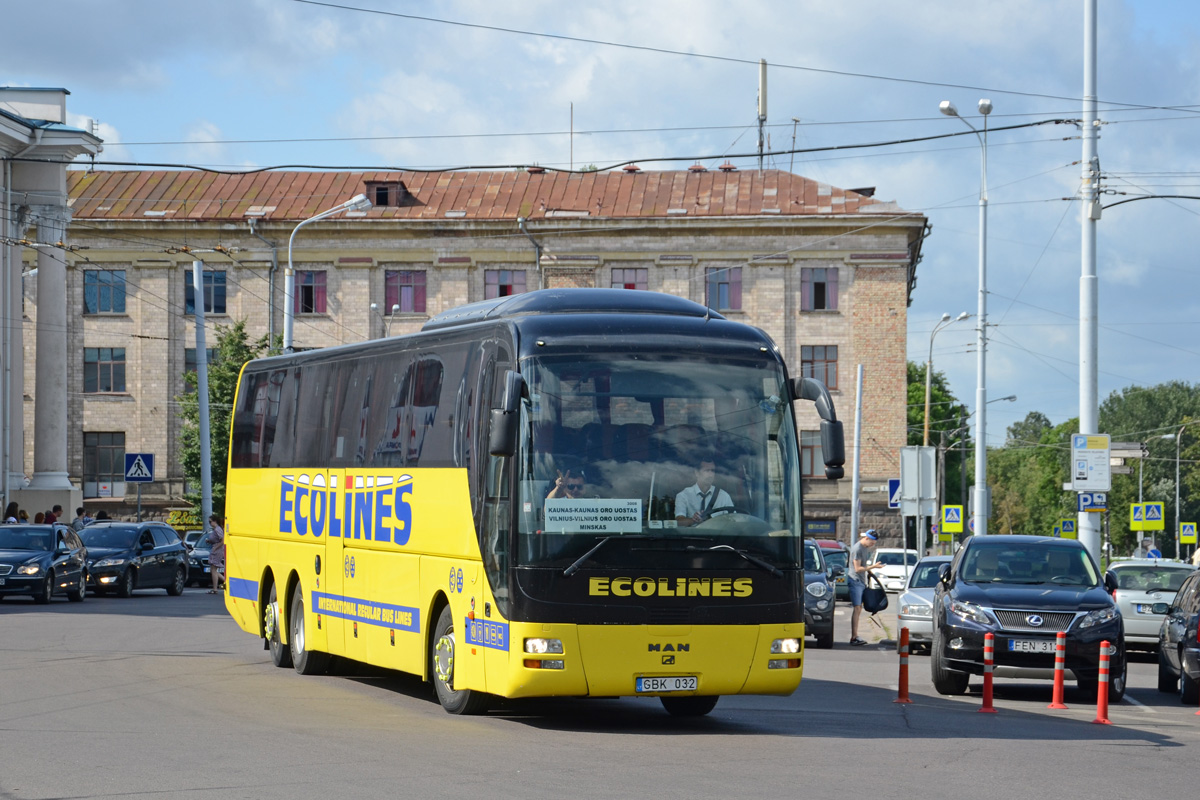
{"x":124,"y":556}
{"x":818,"y":596}
{"x":837,"y":554}
{"x":1024,"y":590}
{"x":40,"y":561}
{"x":1179,"y":642}
{"x":199,"y":572}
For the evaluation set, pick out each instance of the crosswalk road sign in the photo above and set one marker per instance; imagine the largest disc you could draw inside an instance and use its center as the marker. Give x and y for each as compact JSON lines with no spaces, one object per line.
{"x":1066,"y":529}
{"x":1154,"y":517}
{"x":893,"y":493}
{"x":952,"y":517}
{"x":139,"y":467}
{"x":1057,"y":530}
{"x":1187,"y":533}
{"x":1137,"y":516}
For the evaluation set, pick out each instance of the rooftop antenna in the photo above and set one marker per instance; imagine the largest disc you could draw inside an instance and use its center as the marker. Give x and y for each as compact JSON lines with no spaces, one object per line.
{"x":762,"y":107}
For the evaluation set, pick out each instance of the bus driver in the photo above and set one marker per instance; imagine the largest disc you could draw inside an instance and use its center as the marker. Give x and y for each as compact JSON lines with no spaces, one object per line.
{"x":697,"y":503}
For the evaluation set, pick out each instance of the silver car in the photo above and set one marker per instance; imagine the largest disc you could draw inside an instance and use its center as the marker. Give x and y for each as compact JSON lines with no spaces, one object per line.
{"x":916,"y":603}
{"x":1142,"y":582}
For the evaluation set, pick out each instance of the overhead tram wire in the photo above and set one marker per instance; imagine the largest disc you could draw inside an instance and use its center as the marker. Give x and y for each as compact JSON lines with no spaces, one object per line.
{"x":726,"y":59}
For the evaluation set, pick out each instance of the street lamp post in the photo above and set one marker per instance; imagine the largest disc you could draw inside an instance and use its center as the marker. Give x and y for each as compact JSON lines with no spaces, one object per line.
{"x":943,"y":323}
{"x":981,"y":492}
{"x":357,"y":203}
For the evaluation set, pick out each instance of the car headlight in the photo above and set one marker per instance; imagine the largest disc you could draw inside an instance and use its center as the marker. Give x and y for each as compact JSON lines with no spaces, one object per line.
{"x":29,"y":569}
{"x":817,"y":589}
{"x":970,"y":611}
{"x":1098,"y":617}
{"x":109,"y":562}
{"x":916,"y":609}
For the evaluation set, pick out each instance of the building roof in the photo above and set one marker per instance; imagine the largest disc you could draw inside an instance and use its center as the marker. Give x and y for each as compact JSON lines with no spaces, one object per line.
{"x":496,"y":195}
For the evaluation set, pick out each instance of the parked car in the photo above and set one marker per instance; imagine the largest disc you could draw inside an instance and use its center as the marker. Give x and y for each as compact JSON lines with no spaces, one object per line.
{"x":916,"y":603}
{"x":1142,"y":582}
{"x":1179,"y":642}
{"x":40,"y":561}
{"x":837,"y":555}
{"x":1024,"y":590}
{"x":894,"y":573}
{"x":125,"y":556}
{"x":199,"y":573}
{"x":818,"y":596}
{"x":192,"y":538}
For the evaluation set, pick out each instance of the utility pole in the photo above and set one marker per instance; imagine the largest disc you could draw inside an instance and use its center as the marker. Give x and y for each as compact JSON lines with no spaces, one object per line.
{"x":762,"y":107}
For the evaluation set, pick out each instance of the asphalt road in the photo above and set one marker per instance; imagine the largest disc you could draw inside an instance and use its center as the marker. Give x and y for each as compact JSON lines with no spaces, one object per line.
{"x":156,"y":696}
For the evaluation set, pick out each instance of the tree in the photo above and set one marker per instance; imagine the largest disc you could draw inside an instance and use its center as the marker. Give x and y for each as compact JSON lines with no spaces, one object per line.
{"x":232,"y":351}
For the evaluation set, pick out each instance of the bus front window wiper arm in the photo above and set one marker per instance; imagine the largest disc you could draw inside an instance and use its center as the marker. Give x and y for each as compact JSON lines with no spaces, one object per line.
{"x":571,"y":570}
{"x":753,"y":559}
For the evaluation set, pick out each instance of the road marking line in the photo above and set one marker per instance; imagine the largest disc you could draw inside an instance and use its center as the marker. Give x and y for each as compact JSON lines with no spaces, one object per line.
{"x":1143,"y":706}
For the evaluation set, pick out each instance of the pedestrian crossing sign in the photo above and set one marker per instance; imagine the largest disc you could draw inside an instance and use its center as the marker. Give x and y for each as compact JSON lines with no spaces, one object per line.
{"x":1153,"y":517}
{"x":952,"y":517}
{"x":1066,"y":529}
{"x":1187,"y":533}
{"x":139,"y":467}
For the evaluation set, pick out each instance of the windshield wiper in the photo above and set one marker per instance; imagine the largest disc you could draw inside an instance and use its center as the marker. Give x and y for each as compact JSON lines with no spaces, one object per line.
{"x":753,"y":559}
{"x":571,"y":570}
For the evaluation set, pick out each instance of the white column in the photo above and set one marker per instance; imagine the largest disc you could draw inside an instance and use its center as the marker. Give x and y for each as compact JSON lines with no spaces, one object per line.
{"x":50,"y":400}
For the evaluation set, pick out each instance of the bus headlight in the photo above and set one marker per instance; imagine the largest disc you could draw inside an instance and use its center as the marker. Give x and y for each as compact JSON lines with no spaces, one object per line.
{"x":785,"y":646}
{"x":542,"y":646}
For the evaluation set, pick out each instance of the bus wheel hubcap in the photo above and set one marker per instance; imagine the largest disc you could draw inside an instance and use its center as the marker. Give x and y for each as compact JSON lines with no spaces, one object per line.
{"x":444,"y":659}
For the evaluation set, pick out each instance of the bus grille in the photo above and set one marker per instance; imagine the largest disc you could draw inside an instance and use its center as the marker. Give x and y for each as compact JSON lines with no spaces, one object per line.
{"x":670,"y":616}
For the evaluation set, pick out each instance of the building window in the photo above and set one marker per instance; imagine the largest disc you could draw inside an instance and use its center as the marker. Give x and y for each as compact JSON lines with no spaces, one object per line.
{"x":104,"y":291}
{"x":503,"y":282}
{"x":310,"y":292}
{"x":103,"y":465}
{"x":103,"y":369}
{"x":214,"y":292}
{"x":388,"y":193}
{"x":820,"y":362}
{"x":404,"y":290}
{"x":812,"y":462}
{"x":630,"y":278}
{"x":724,"y":289}
{"x":818,"y":289}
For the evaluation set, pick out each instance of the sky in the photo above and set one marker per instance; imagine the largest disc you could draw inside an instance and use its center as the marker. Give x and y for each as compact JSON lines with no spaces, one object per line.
{"x":479,"y":83}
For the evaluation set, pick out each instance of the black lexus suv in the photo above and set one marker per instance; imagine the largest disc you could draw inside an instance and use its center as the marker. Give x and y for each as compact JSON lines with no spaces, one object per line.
{"x":1024,"y":590}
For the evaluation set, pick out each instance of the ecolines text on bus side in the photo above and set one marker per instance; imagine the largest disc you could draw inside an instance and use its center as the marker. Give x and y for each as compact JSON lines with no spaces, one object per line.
{"x":374,"y":507}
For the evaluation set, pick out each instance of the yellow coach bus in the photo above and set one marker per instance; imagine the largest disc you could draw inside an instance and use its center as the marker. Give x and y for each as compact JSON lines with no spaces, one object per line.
{"x":579,"y":493}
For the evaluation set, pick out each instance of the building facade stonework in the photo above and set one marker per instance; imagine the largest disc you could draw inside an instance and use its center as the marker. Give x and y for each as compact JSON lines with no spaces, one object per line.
{"x":827,"y":273}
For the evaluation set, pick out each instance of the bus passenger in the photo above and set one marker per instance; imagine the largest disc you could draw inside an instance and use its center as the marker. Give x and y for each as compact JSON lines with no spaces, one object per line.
{"x":570,"y":487}
{"x":699,"y":501}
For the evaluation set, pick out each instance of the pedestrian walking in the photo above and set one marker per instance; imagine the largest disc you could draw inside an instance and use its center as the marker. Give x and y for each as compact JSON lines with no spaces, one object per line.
{"x":216,"y":550}
{"x":862,"y":563}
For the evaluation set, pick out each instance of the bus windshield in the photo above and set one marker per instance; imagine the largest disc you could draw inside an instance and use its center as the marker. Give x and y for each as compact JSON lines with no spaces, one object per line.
{"x":679,"y":454}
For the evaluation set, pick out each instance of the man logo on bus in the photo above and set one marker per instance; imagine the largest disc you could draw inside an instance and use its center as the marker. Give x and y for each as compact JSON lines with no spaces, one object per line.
{"x":375,"y":507}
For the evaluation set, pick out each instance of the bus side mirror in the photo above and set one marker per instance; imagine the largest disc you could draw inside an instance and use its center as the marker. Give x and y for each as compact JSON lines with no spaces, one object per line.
{"x":833,"y":440}
{"x":502,"y":437}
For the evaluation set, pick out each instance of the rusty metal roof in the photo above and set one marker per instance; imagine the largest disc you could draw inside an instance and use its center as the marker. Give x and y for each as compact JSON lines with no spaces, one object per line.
{"x":500,"y":195}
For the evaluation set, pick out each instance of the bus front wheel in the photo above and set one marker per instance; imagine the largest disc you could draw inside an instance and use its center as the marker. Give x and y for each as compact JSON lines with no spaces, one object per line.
{"x":441,"y":669}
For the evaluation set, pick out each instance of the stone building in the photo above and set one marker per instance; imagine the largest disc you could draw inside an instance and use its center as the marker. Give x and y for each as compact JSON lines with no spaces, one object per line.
{"x":828,"y":273}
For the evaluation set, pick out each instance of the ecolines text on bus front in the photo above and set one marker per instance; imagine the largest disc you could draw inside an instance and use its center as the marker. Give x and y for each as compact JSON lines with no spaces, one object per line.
{"x":374,"y":507}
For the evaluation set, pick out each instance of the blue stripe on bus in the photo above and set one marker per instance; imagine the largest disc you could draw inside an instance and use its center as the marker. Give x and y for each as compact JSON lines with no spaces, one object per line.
{"x":381,"y":614}
{"x":486,"y":634}
{"x":243,"y":589}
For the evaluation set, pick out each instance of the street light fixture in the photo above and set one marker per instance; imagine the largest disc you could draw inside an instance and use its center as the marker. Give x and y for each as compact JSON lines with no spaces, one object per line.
{"x":985,"y":108}
{"x":945,"y":321}
{"x":357,"y":203}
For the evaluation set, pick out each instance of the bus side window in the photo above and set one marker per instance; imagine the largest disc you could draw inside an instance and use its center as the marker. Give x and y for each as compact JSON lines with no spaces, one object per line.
{"x":496,"y":534}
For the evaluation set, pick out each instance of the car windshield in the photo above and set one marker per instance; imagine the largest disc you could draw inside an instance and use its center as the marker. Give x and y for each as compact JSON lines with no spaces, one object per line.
{"x":836,"y":558}
{"x":895,"y":559}
{"x":631,"y":437}
{"x":108,"y":536}
{"x":812,"y":558}
{"x":925,"y":576}
{"x":13,"y":537}
{"x":1033,"y":563}
{"x":1151,"y":578}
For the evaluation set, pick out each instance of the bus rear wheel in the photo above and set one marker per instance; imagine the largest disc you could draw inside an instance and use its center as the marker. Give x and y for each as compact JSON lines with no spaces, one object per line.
{"x":441,"y":669}
{"x":694,"y":706}
{"x":306,"y":662}
{"x":281,"y":654}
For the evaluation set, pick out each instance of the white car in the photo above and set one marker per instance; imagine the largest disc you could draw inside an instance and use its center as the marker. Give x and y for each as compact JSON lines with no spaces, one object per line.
{"x":1143,"y":583}
{"x":894,"y":573}
{"x":916,"y":603}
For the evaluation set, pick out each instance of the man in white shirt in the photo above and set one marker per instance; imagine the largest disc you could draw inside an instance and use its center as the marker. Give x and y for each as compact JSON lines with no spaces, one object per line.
{"x":698,"y":502}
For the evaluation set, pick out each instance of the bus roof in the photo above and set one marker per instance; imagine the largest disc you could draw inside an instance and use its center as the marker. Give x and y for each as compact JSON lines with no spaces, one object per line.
{"x":570,"y":301}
